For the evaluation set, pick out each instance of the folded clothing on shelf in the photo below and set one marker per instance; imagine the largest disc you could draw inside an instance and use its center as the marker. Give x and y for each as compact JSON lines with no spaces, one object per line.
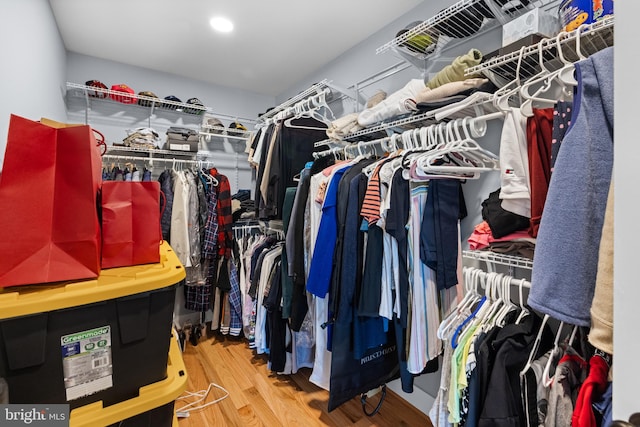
{"x":450,"y":93}
{"x":501,"y":221}
{"x":182,"y":139}
{"x":455,"y":71}
{"x":142,"y":138}
{"x":343,"y":126}
{"x":242,"y":195}
{"x":399,"y":102}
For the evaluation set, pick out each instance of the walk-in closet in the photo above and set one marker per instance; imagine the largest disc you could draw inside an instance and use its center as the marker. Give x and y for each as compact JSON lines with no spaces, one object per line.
{"x":338,"y":214}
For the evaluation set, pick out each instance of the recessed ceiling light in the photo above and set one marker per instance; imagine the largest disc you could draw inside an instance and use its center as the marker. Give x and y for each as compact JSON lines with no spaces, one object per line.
{"x":221,"y":24}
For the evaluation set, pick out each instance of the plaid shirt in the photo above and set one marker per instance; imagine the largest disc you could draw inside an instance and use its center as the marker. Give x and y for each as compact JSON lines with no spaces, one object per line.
{"x":197,"y":297}
{"x":225,"y":219}
{"x":235,"y":299}
{"x":211,"y":226}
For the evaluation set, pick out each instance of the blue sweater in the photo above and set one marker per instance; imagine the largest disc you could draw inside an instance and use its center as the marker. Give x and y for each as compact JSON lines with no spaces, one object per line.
{"x":566,"y":255}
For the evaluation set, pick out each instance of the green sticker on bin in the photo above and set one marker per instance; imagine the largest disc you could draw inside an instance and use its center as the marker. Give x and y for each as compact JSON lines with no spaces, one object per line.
{"x":86,"y":362}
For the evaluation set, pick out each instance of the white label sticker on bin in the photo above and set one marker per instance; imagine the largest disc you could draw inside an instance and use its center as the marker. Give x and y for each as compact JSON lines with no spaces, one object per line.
{"x":86,"y":362}
{"x":179,"y":147}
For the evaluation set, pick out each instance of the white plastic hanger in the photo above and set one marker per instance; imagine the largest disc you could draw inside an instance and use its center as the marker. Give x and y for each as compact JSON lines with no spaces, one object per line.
{"x":536,"y":345}
{"x":546,"y":378}
{"x":502,"y":96}
{"x":524,"y":311}
{"x":509,"y":305}
{"x":545,"y":76}
{"x":472,"y":280}
{"x":454,"y":315}
{"x":304,"y":109}
{"x":493,"y":301}
{"x":478,"y":159}
{"x":565,"y":74}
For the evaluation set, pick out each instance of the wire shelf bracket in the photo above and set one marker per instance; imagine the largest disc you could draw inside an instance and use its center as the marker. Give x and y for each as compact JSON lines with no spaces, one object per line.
{"x":499,"y":259}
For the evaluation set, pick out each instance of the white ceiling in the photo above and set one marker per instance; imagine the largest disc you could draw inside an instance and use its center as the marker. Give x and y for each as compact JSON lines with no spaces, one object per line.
{"x":274,"y":45}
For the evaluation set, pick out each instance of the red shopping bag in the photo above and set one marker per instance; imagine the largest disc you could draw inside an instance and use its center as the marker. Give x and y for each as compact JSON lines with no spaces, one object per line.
{"x":131,"y":233}
{"x":49,"y":227}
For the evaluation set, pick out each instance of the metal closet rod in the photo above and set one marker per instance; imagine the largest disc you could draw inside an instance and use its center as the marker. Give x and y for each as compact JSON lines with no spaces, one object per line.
{"x":303,"y":105}
{"x":498,"y":259}
{"x":151,"y":160}
{"x":312,"y":90}
{"x":475,"y":121}
{"x":514,"y":281}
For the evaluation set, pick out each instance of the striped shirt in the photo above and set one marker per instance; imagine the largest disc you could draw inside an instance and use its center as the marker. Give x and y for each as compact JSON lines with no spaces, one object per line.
{"x":371,"y":206}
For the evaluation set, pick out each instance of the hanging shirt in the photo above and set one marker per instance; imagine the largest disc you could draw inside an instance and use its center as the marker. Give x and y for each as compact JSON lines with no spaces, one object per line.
{"x":570,"y":374}
{"x":513,"y":344}
{"x":235,"y":300}
{"x":225,"y":219}
{"x":293,"y":148}
{"x":166,"y":186}
{"x":566,"y":258}
{"x":209,"y":245}
{"x":439,"y":231}
{"x":295,"y":246}
{"x":514,"y":164}
{"x":193,"y":222}
{"x":424,"y":345}
{"x":180,"y":218}
{"x":561,"y":123}
{"x":322,"y":262}
{"x":396,"y":225}
{"x":371,"y":207}
{"x":539,"y":129}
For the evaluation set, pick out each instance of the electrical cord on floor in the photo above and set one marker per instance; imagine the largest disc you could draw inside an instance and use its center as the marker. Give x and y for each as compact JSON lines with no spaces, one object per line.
{"x":363,"y":401}
{"x":184,"y":411}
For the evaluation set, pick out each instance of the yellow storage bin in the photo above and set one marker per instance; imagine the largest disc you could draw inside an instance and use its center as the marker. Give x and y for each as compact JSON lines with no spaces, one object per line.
{"x":92,"y":340}
{"x":155,"y":397}
{"x":111,"y":284}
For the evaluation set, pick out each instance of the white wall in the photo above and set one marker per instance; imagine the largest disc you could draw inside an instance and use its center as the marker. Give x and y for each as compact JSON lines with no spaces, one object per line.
{"x":361,"y":62}
{"x":626,"y":370}
{"x":113,"y":119}
{"x":221,"y":99}
{"x":33,"y":65}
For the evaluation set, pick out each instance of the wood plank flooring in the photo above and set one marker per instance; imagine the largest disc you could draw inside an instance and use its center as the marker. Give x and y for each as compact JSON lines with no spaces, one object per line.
{"x":258,"y":397}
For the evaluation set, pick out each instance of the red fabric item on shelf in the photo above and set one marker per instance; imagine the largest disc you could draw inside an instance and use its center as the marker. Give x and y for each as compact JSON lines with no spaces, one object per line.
{"x":482,"y":237}
{"x":591,"y":389}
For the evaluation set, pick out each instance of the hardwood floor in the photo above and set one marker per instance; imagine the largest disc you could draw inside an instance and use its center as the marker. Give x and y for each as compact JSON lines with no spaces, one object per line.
{"x":257,"y":397}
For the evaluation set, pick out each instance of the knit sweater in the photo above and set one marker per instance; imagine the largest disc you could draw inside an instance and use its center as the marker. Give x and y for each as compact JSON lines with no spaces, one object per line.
{"x":566,"y":258}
